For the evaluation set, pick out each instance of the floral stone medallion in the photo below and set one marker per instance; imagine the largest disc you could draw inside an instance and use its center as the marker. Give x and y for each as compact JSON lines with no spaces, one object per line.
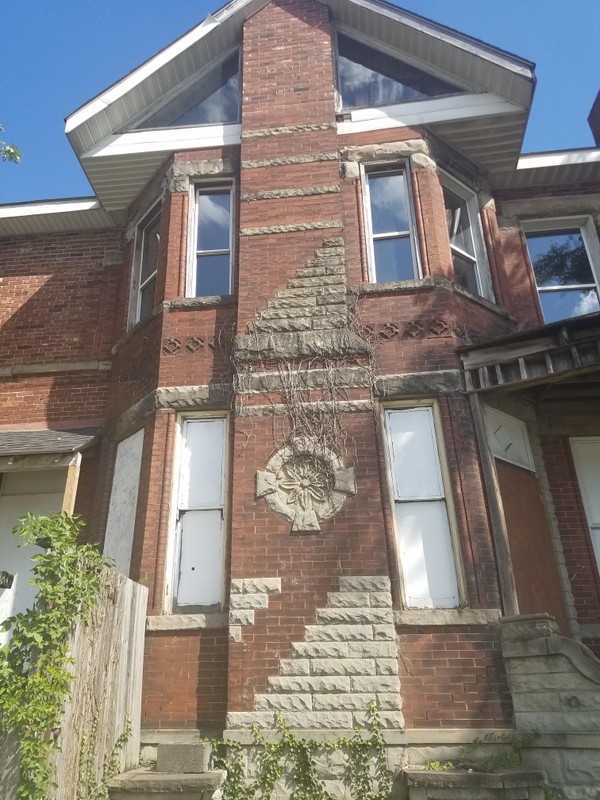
{"x":305,"y":483}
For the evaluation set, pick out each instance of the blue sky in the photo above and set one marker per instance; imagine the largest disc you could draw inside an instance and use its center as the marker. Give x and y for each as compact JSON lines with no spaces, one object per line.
{"x":55,"y":55}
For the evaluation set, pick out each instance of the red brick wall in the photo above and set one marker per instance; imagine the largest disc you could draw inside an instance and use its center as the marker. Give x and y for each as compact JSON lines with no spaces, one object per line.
{"x":573,"y":527}
{"x":453,"y":678}
{"x":185,"y":680}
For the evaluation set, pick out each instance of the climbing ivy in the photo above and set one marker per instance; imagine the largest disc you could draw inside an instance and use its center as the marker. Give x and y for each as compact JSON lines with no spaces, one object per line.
{"x":89,"y":787}
{"x":295,"y":759}
{"x":471,"y":757}
{"x":35,"y":666}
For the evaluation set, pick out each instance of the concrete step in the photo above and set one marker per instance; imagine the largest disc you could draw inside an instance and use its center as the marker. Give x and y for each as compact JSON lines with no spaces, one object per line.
{"x":183,"y":758}
{"x":146,"y":784}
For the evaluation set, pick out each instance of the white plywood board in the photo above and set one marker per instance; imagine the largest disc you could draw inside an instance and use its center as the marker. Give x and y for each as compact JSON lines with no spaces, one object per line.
{"x":201,"y":482}
{"x":414,"y":455}
{"x":201,"y":563}
{"x":123,"y":501}
{"x":428,"y":567}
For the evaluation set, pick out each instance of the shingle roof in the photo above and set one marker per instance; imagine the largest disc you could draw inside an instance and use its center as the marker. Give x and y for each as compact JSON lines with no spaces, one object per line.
{"x":44,"y":441}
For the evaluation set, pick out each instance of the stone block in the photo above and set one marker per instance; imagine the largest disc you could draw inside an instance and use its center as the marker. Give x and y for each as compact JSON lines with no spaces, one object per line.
{"x":310,"y":272}
{"x":293,"y":302}
{"x":364,"y":583}
{"x":255,"y":585}
{"x":248,"y":601}
{"x":312,"y":684}
{"x":299,"y":310}
{"x":372,"y":649}
{"x":317,"y":720}
{"x":145,"y":783}
{"x":280,"y":325}
{"x":386,"y":666}
{"x":305,"y":283}
{"x":320,"y":649}
{"x":348,"y":600}
{"x":294,"y":666}
{"x":384,"y":633}
{"x":343,"y":666}
{"x":390,"y":720}
{"x":241,"y":616}
{"x":381,"y":600}
{"x":330,"y":321}
{"x":246,"y":719}
{"x":389,"y":702}
{"x":586,"y":701}
{"x":354,"y":616}
{"x":549,"y":722}
{"x":383,"y":683}
{"x":338,"y":633}
{"x":183,"y":758}
{"x":283,"y":702}
{"x":235,"y":633}
{"x":342,"y":702}
{"x":536,"y":701}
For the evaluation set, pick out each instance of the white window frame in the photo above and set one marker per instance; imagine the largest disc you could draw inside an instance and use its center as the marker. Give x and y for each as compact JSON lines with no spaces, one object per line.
{"x":173,"y":555}
{"x":481,"y":263}
{"x":586,"y":225}
{"x":593,"y":526}
{"x":445,"y":497}
{"x":394,"y":168}
{"x":195,"y":191}
{"x":137,"y":287}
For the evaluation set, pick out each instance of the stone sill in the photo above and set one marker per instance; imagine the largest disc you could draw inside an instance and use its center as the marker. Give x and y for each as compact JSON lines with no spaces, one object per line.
{"x":448,"y":616}
{"x":413,"y":737}
{"x":178,"y":304}
{"x":186,"y":622}
{"x":191,"y":303}
{"x":428,"y":285}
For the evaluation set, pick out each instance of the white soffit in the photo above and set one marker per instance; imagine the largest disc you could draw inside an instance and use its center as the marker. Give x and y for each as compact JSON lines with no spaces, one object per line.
{"x":553,"y":168}
{"x":54,"y":216}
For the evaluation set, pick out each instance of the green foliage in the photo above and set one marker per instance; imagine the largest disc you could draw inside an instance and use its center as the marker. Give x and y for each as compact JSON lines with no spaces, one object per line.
{"x":9,"y":152}
{"x":88,"y":787}
{"x":35,"y":676}
{"x":471,"y":758}
{"x":294,"y":759}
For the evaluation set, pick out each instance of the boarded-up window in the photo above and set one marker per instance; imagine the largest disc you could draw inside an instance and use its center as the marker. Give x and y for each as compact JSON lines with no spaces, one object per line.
{"x":123,"y":501}
{"x":586,"y":454}
{"x":201,"y":494}
{"x":422,"y":529}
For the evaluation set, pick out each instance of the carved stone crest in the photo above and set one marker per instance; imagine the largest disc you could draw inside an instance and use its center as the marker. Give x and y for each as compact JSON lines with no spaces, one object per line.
{"x":305,"y":483}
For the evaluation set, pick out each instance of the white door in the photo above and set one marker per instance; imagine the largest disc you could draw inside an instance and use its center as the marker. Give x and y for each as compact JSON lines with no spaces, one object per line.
{"x":40,"y":492}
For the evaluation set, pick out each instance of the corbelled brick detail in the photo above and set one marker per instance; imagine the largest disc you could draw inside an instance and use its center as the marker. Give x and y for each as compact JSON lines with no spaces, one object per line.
{"x":347,"y":660}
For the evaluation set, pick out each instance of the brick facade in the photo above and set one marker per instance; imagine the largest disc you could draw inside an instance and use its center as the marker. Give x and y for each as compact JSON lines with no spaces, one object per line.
{"x":299,"y":243}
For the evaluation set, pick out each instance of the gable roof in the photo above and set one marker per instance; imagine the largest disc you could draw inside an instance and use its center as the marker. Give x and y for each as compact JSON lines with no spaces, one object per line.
{"x":105,"y":152}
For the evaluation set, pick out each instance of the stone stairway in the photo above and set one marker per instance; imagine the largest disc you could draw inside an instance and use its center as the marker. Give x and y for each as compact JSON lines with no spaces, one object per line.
{"x":348,"y":659}
{"x":182,"y":771}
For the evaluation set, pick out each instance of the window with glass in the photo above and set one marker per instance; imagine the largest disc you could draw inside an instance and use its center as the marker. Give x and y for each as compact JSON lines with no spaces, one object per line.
{"x":469,"y":256}
{"x":368,"y":77}
{"x":211,"y":268}
{"x":147,"y":246}
{"x":423,"y":534}
{"x":393,"y":254}
{"x":565,"y":264}
{"x":211,"y":97}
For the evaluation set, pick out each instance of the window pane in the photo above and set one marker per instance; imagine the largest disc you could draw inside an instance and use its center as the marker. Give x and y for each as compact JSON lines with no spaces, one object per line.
{"x":559,"y":259}
{"x":369,"y":77}
{"x":151,"y":244}
{"x":212,"y":275}
{"x":214,"y":213}
{"x":393,"y":259}
{"x":213,"y":97}
{"x":457,"y":220}
{"x":465,"y":273}
{"x":389,"y":207}
{"x":147,"y":299}
{"x":428,"y":568}
{"x":570,"y":303}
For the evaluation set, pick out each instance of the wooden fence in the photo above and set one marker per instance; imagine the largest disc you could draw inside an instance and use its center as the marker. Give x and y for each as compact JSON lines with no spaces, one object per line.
{"x":108,"y":658}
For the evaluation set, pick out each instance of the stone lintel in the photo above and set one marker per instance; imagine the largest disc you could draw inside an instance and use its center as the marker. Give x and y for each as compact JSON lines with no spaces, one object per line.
{"x":302,"y":344}
{"x":186,"y":622}
{"x":452,"y":616}
{"x":447,"y":381}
